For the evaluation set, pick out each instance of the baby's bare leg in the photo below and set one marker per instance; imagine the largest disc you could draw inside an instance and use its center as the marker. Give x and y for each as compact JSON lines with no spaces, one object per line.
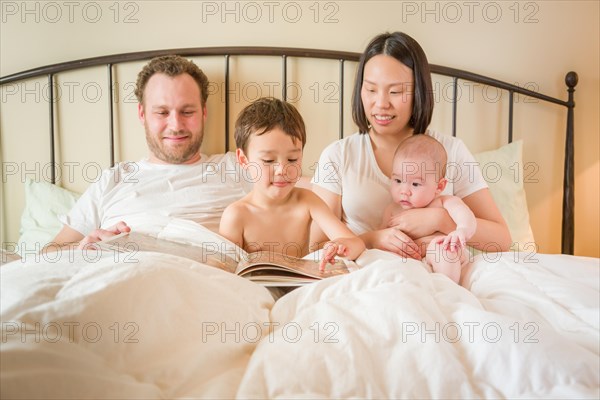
{"x":445,"y":261}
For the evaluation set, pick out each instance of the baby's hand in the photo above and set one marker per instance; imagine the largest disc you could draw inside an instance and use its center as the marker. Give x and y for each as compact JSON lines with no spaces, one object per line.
{"x":455,"y":240}
{"x":330,"y":250}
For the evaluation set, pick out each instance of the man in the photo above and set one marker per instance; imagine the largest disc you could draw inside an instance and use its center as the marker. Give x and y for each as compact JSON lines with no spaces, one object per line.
{"x":176,"y":180}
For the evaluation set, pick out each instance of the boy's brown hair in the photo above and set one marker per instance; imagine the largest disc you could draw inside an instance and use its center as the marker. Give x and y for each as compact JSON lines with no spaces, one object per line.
{"x":266,"y":114}
{"x":426,"y":147}
{"x":171,"y":66}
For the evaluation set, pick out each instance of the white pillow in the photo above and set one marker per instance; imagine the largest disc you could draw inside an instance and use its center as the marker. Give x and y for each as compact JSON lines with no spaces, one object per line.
{"x":44,"y":203}
{"x":503,"y":170}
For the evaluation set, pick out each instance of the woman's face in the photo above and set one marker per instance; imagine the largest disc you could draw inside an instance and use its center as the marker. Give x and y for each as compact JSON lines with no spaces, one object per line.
{"x":387,"y":95}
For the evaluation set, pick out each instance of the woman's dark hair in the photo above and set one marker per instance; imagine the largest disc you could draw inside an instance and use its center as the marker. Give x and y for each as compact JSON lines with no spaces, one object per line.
{"x":406,"y":50}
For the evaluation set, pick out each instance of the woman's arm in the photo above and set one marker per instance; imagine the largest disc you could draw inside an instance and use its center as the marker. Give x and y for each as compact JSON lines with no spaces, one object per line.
{"x":491,"y":234}
{"x":389,"y":239}
{"x":422,"y":222}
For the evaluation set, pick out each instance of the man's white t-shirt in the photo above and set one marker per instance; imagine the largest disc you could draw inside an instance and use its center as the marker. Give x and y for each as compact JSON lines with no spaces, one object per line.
{"x":348,"y":168}
{"x":137,"y":190}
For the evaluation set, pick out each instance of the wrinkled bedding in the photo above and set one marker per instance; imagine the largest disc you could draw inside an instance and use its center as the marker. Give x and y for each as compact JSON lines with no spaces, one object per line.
{"x":161,"y":326}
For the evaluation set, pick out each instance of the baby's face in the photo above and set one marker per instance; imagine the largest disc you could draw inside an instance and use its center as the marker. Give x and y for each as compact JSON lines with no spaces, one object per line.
{"x":415,"y":182}
{"x":274,"y":162}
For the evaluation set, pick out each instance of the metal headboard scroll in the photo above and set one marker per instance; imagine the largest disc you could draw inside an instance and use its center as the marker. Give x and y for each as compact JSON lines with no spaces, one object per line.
{"x":342,"y":56}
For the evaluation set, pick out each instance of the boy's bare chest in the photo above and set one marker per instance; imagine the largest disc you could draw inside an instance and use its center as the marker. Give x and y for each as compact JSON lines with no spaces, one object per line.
{"x":285,"y":230}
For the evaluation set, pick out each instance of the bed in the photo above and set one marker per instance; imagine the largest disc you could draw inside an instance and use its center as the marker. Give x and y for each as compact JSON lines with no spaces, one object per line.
{"x":522,"y":324}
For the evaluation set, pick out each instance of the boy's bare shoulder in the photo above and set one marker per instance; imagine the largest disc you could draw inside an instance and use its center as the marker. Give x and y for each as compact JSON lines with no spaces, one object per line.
{"x":238,"y":207}
{"x":306,"y":195}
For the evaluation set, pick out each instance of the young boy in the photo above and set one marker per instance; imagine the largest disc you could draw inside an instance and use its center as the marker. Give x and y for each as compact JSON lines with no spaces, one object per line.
{"x":276,"y":216}
{"x":417,"y":181}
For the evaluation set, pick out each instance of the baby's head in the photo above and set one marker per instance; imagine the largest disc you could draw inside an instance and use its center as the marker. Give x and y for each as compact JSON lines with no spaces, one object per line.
{"x":418,"y":172}
{"x":270,"y":136}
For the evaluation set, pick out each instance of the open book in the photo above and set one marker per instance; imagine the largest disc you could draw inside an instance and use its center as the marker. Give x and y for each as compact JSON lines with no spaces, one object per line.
{"x":263,"y":267}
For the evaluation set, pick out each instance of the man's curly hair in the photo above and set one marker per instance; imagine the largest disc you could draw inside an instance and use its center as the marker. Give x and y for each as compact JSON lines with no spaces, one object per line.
{"x":172,"y":66}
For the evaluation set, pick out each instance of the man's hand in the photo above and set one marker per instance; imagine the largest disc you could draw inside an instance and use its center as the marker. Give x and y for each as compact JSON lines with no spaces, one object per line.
{"x":99,"y":235}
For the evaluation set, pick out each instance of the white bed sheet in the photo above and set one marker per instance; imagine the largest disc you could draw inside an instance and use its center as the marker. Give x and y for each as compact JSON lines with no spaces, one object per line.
{"x":139,"y":332}
{"x":523,"y":330}
{"x":528,"y":328}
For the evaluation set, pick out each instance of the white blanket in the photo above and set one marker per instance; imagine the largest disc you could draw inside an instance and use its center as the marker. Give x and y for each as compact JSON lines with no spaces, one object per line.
{"x":159,"y":326}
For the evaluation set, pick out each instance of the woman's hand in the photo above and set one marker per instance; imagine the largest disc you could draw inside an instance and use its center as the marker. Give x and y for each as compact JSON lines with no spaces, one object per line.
{"x":394,"y":240}
{"x":421,"y":222}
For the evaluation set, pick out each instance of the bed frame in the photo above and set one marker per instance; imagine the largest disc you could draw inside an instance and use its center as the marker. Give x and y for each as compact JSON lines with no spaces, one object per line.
{"x":567,"y":238}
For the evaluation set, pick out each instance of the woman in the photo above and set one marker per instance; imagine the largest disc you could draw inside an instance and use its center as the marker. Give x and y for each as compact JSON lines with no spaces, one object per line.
{"x":392,"y":100}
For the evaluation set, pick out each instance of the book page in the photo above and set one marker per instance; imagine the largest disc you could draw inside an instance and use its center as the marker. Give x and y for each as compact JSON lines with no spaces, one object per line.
{"x":194,"y":234}
{"x":134,"y":241}
{"x":276,"y":266}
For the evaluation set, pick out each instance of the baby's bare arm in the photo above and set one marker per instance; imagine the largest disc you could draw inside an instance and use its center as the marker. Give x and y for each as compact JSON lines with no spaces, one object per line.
{"x":466,"y":224}
{"x":461,"y":214}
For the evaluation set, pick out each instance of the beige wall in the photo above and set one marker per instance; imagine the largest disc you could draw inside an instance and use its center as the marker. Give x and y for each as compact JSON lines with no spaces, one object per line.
{"x":531,"y":43}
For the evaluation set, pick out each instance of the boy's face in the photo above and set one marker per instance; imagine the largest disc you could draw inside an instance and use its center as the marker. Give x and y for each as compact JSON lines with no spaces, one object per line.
{"x":415,"y":182}
{"x":273,"y":162}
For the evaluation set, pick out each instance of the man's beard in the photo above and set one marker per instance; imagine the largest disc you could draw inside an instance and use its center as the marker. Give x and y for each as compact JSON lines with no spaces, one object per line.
{"x":174,"y":155}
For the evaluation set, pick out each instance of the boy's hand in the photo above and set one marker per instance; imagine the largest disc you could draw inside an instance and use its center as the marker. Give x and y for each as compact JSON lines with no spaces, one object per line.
{"x":349,"y":247}
{"x":330,"y":250}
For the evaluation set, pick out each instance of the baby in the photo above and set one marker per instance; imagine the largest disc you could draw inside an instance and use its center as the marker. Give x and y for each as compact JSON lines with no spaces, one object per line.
{"x":417,"y":180}
{"x":276,"y":216}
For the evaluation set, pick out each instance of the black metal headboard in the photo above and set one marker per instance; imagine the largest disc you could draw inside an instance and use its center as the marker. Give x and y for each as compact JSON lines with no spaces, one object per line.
{"x":567,"y":240}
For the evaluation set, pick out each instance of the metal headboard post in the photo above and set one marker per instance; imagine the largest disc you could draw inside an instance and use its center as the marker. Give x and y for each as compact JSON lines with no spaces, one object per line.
{"x":341,"y":102}
{"x":568,"y":217}
{"x":226,"y":102}
{"x":111,"y":125}
{"x":454,"y":103}
{"x":51,"y":122}
{"x":284,"y":77}
{"x":510,"y":115}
